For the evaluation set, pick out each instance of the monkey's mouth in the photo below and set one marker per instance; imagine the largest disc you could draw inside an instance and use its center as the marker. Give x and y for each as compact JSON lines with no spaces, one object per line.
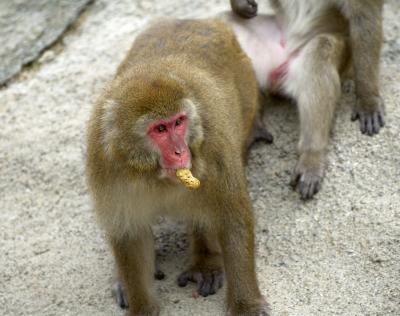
{"x":170,"y":173}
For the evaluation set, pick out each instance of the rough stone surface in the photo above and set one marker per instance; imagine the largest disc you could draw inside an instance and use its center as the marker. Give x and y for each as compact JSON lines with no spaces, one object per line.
{"x":336,"y":255}
{"x":28,"y":27}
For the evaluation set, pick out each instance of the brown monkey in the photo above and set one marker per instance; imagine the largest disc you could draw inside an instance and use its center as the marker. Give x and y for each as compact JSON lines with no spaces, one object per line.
{"x":306,"y":48}
{"x":185,"y":97}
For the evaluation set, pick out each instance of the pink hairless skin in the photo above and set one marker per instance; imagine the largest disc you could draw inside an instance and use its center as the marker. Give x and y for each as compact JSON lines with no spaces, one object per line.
{"x":169,"y":137}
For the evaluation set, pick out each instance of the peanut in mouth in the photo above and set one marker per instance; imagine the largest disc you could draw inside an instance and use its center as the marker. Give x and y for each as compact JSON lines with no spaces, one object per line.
{"x":188,"y":180}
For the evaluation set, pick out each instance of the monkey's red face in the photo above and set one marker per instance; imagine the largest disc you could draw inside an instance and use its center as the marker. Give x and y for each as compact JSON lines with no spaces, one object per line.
{"x":169,"y":135}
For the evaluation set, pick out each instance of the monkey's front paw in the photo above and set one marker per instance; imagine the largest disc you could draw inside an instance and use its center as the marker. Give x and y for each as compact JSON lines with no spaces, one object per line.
{"x":209,"y":281}
{"x":245,"y":8}
{"x":371,"y":114}
{"x":307,"y":176}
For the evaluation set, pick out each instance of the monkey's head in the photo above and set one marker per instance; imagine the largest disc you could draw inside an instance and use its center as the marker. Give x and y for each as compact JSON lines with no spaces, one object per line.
{"x":149,"y":123}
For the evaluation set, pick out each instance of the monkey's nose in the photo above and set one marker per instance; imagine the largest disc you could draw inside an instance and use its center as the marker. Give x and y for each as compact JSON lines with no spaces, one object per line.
{"x":179,"y":152}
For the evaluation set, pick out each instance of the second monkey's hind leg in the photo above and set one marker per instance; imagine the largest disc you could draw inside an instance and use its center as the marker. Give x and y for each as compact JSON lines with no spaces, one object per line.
{"x":206,"y":263}
{"x":314,"y":82}
{"x":366,"y":41}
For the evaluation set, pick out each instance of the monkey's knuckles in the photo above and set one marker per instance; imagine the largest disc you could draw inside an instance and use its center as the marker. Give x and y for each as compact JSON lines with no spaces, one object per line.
{"x":371,"y":115}
{"x":309,"y":187}
{"x":208,"y":281}
{"x":307,"y":180}
{"x":248,"y":9}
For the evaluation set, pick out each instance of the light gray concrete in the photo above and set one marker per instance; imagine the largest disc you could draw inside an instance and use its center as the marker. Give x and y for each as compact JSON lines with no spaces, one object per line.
{"x":336,"y":255}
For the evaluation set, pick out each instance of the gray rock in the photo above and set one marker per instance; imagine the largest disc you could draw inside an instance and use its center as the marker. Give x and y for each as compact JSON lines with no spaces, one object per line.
{"x":28,"y":27}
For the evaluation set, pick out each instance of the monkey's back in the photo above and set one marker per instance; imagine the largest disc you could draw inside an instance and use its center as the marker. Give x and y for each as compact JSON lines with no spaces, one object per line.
{"x":207,"y":43}
{"x":207,"y":57}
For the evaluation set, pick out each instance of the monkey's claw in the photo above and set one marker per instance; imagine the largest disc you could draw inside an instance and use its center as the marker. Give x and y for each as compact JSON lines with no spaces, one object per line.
{"x":119,"y":293}
{"x":159,"y":275}
{"x":308,"y":184}
{"x":208,"y":282}
{"x":371,"y":121}
{"x":118,"y":290}
{"x":246,"y":8}
{"x":308,"y":180}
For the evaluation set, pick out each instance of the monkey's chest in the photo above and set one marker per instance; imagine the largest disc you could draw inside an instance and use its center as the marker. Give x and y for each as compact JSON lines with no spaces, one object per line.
{"x":265,"y":44}
{"x":148,"y":204}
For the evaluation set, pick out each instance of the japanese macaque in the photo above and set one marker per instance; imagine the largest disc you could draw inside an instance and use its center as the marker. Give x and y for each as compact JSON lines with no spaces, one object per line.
{"x":303,"y":52}
{"x":185,"y":97}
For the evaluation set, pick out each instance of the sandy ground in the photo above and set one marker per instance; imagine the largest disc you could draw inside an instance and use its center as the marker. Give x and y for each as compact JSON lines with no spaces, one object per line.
{"x":336,"y":255}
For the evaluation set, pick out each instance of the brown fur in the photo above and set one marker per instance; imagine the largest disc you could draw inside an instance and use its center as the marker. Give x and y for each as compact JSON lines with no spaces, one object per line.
{"x":175,"y":65}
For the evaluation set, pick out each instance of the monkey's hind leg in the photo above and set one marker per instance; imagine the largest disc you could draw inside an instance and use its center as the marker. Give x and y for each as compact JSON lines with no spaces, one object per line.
{"x":206,"y":263}
{"x":135,"y":262}
{"x":366,"y":41}
{"x":313,"y":80}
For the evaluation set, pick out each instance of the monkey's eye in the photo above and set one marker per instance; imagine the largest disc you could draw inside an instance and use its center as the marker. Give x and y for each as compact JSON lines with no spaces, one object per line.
{"x":161,"y":128}
{"x":179,"y":121}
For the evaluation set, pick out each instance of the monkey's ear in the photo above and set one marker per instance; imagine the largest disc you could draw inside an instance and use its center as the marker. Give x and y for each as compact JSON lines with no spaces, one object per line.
{"x":108,"y":126}
{"x":108,"y":116}
{"x":195,"y":131}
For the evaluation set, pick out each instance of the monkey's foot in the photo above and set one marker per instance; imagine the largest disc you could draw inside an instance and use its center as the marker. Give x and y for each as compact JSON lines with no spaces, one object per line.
{"x":260,"y":133}
{"x":257,"y":313}
{"x":371,"y":114}
{"x":209,"y":281}
{"x":118,"y":290}
{"x":262,"y":310}
{"x":122,"y":301}
{"x":148,"y":310}
{"x":245,"y":8}
{"x":307,"y":175}
{"x":119,"y":293}
{"x":159,"y":275}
